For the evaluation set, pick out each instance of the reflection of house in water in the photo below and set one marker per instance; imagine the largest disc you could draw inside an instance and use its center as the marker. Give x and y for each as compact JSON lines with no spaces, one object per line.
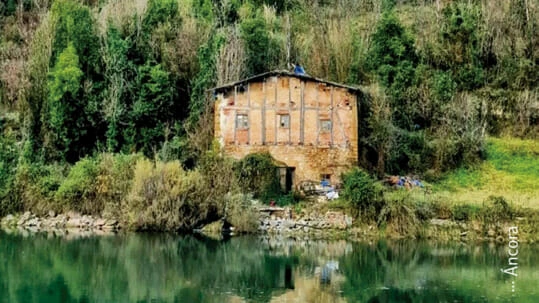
{"x":326,"y":271}
{"x":285,"y":278}
{"x":317,"y":287}
{"x":307,"y":124}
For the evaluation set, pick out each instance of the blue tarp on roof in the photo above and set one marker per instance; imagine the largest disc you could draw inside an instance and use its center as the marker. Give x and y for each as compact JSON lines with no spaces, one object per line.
{"x":298,"y":70}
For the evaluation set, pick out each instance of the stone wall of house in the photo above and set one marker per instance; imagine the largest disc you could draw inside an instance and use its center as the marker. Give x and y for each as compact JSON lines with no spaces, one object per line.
{"x":305,"y":124}
{"x":309,"y":162}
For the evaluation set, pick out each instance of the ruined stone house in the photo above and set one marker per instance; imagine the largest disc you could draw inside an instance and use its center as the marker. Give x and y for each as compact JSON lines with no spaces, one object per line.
{"x":308,"y":125}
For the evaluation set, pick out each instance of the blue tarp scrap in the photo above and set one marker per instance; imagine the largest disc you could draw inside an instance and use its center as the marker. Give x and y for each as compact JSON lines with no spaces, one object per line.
{"x":298,"y":70}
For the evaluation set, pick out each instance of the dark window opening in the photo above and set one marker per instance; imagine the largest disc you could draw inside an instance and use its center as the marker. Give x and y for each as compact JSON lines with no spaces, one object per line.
{"x":284,"y":121}
{"x":242,"y":121}
{"x":325,"y":125}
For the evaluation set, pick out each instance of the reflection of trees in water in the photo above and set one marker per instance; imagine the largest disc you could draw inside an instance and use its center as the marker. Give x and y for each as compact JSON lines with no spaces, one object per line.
{"x":421,"y":272}
{"x":413,"y":296}
{"x":170,"y":268}
{"x":133,"y":268}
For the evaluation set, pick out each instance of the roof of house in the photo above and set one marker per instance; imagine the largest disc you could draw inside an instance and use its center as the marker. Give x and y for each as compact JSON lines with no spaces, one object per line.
{"x":284,"y":73}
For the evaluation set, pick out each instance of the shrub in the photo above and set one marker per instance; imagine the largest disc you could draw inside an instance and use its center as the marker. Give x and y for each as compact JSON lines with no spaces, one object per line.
{"x":441,"y":209}
{"x":425,"y":210}
{"x":214,"y":168}
{"x":77,"y":192}
{"x":34,"y":187}
{"x":257,"y":174}
{"x":114,"y":181}
{"x":464,"y":212}
{"x":241,"y":213}
{"x":363,"y":192}
{"x":288,"y":199}
{"x":165,"y":197}
{"x":496,"y":208}
{"x":399,"y":214}
{"x":8,"y":157}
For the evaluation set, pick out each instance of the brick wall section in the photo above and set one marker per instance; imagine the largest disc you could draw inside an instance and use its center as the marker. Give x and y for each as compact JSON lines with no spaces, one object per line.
{"x":305,"y":145}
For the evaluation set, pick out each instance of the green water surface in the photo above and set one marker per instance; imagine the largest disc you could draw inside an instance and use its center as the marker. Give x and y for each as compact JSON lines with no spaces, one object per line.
{"x":172,"y":268}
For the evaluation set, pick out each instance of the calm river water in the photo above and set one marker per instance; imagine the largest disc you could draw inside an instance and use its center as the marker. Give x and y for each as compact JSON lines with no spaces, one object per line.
{"x":172,"y":268}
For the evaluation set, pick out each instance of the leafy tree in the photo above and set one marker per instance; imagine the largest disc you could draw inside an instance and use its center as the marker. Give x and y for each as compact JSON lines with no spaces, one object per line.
{"x":461,"y":42}
{"x":203,"y":10}
{"x":153,"y":111}
{"x":74,"y":113}
{"x":393,"y":59}
{"x":117,"y":83}
{"x":260,"y":47}
{"x":66,"y":110}
{"x":74,"y":24}
{"x":66,"y":75}
{"x":380,"y":129}
{"x":159,"y":11}
{"x":37,"y":96}
{"x":206,"y":77}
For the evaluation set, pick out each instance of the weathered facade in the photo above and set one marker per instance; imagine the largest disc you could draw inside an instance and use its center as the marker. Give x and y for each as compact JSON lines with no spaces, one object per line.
{"x":307,"y":124}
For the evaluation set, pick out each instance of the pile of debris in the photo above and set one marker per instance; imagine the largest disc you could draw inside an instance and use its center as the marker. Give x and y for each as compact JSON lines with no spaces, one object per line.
{"x":407,"y":182}
{"x":323,"y":188}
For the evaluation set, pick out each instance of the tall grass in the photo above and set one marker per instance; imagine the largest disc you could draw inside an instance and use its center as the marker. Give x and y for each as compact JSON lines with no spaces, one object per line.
{"x":511,"y":169}
{"x":240,"y":213}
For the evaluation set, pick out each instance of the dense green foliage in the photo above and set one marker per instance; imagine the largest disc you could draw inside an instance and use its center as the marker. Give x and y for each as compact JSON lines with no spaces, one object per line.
{"x":500,"y":189}
{"x":142,"y":194}
{"x":65,"y":120}
{"x":362,"y":191}
{"x":260,"y":48}
{"x":393,"y":59}
{"x":133,"y":77}
{"x":7,"y":171}
{"x":257,"y":174}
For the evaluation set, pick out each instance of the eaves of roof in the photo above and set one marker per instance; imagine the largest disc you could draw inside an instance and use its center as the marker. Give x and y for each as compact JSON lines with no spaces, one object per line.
{"x":283,"y":73}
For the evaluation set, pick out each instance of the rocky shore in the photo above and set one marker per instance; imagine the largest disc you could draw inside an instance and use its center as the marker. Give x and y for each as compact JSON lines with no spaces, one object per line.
{"x":283,"y":221}
{"x":53,"y":221}
{"x":272,"y":221}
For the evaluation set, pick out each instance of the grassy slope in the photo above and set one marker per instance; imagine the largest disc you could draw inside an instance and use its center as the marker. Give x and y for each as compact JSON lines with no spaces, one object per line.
{"x":510,"y":170}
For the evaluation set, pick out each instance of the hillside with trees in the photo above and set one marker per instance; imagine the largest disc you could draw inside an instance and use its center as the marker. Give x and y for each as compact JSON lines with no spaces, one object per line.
{"x":86,"y":82}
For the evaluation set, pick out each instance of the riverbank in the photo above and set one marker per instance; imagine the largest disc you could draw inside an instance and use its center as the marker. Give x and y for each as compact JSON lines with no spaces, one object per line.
{"x":59,"y":223}
{"x":322,"y":223}
{"x":314,"y":222}
{"x":470,"y":204}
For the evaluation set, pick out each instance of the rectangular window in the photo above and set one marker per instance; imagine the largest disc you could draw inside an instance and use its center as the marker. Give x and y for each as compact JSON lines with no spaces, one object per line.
{"x":242,"y":121}
{"x":284,"y":121}
{"x":325,"y":125}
